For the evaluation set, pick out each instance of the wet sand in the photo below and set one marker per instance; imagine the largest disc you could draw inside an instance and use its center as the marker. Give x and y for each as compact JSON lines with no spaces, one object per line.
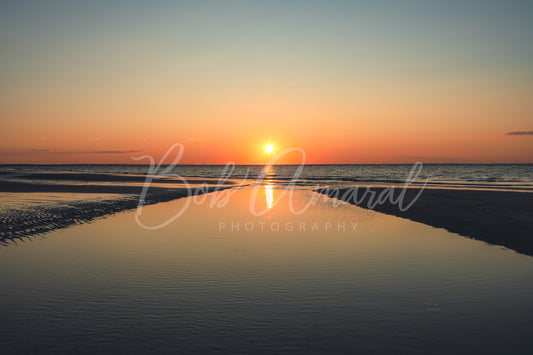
{"x":497,"y":217}
{"x":32,"y":221}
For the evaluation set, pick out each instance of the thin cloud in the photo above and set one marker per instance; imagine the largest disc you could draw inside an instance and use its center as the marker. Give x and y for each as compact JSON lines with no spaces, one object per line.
{"x":84,"y":151}
{"x":520,"y":133}
{"x":76,"y":151}
{"x":100,"y":151}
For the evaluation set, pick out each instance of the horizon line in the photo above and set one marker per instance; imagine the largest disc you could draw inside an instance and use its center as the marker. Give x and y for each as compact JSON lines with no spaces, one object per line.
{"x":130,"y":164}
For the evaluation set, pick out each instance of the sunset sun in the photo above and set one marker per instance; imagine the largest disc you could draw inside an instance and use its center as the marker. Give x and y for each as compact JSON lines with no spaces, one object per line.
{"x":269,"y":148}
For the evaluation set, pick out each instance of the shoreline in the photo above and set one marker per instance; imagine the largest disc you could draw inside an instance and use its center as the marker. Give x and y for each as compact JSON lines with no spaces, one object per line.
{"x":497,"y":217}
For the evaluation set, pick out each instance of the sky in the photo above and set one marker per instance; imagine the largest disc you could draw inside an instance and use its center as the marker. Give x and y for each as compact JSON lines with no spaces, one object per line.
{"x":346,"y":81}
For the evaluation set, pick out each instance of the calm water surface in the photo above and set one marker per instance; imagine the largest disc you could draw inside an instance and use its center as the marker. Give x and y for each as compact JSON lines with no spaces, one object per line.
{"x":219,"y":280}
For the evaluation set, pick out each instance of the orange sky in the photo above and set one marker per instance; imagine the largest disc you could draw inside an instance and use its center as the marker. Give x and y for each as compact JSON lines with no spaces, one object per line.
{"x":348,"y":84}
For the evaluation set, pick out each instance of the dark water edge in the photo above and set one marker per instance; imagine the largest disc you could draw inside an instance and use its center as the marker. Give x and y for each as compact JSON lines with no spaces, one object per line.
{"x":497,"y":217}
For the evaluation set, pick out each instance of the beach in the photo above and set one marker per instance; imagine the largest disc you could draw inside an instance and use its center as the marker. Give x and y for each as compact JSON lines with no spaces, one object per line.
{"x":266,"y":264}
{"x":213,"y":281}
{"x":500,"y":216}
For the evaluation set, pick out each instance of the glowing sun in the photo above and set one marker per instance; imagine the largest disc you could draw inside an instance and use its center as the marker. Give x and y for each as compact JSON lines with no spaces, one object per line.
{"x":269,"y":148}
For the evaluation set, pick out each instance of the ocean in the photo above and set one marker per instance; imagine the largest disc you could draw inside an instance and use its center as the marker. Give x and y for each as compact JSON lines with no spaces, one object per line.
{"x":485,"y":176}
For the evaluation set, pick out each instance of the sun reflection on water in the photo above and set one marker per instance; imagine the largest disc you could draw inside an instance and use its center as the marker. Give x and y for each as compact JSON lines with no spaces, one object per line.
{"x":269,"y":194}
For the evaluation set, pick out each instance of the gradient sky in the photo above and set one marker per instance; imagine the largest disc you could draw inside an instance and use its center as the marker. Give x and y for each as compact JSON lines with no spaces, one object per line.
{"x":347,"y":81}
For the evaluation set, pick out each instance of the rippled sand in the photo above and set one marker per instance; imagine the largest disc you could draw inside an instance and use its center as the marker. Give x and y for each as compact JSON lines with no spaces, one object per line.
{"x":33,"y":204}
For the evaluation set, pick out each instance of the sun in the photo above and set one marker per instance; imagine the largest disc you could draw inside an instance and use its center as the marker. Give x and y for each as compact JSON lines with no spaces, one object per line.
{"x":269,"y":148}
